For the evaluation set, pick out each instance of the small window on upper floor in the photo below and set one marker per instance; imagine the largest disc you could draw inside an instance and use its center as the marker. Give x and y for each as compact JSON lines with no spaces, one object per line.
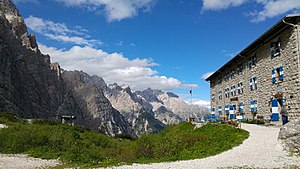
{"x":227,"y":94}
{"x":277,"y":75}
{"x":220,"y":95}
{"x":275,"y":48}
{"x":220,"y":78}
{"x":213,"y":97}
{"x":240,"y":69}
{"x":240,"y":88}
{"x":253,"y":83}
{"x":252,"y":61}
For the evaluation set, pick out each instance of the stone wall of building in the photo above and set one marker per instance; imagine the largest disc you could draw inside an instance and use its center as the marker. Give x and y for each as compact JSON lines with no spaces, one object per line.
{"x":262,"y":71}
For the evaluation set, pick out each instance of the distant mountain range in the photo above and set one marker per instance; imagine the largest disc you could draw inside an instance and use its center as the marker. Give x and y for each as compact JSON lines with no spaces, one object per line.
{"x":32,"y":87}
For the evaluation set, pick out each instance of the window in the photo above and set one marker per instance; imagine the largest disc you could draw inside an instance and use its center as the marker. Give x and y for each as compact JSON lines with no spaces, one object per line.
{"x":220,"y":95}
{"x":213,"y":97}
{"x":241,"y":108}
{"x":240,"y":88}
{"x":219,"y":80}
{"x":253,"y":83}
{"x":220,"y":110}
{"x":240,"y":69}
{"x":234,"y":92}
{"x":253,"y":106}
{"x":227,"y":109}
{"x":227,"y":92}
{"x":277,"y":75}
{"x":252,"y":61}
{"x":275,"y":48}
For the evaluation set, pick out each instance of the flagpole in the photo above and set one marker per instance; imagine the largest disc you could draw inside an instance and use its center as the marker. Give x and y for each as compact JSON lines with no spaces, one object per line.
{"x":191,"y":92}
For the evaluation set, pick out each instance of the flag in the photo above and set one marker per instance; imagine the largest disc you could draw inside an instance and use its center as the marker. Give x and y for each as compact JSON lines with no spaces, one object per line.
{"x":191,"y":91}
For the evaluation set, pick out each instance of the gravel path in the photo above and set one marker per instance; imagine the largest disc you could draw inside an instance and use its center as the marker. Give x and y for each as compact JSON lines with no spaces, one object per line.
{"x":260,"y":150}
{"x":24,"y":162}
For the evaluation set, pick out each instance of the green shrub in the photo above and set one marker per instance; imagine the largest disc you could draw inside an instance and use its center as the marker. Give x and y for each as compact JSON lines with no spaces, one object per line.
{"x":9,"y":118}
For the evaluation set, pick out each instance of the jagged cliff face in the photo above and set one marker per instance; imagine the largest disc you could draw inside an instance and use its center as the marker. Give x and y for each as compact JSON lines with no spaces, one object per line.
{"x":32,"y":87}
{"x":28,"y":85}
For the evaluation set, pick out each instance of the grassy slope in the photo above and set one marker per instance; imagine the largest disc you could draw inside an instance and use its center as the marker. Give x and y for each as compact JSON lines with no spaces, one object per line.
{"x":77,"y":146}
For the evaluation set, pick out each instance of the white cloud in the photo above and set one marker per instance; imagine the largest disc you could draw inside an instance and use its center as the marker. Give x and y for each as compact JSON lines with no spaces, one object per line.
{"x":273,"y":8}
{"x":115,"y":10}
{"x":206,"y":75}
{"x":60,"y":32}
{"x":113,"y":67}
{"x":221,"y":4}
{"x":202,"y":103}
{"x":270,"y":8}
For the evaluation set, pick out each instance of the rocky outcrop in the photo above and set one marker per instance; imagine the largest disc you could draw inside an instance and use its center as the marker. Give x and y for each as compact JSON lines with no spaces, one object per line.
{"x":290,"y":136}
{"x":17,"y":24}
{"x":28,"y":85}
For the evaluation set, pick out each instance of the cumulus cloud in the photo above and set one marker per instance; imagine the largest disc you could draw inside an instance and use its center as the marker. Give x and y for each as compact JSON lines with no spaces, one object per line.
{"x":113,"y":67}
{"x":60,"y":32}
{"x":270,"y":8}
{"x":115,"y":10}
{"x":202,"y":103}
{"x":221,"y":4}
{"x":206,"y":75}
{"x":274,"y":8}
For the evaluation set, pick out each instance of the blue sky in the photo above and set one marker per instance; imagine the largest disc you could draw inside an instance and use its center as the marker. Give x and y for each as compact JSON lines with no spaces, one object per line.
{"x":163,"y":44}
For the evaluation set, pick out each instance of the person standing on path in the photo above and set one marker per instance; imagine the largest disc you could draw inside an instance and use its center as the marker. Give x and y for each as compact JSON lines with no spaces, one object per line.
{"x":284,"y":115}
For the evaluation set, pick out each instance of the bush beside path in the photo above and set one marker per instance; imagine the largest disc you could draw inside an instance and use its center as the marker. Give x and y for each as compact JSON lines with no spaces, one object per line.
{"x":261,"y":150}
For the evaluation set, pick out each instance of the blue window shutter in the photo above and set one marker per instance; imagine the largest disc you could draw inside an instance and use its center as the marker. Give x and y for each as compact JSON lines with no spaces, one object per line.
{"x":251,"y":85}
{"x":273,"y":76}
{"x":281,"y":73}
{"x":275,"y":115}
{"x":241,"y":109}
{"x":220,"y":110}
{"x":252,"y":106}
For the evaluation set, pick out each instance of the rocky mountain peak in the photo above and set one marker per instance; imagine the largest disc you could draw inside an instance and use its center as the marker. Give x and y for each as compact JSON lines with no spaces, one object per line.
{"x":18,"y":27}
{"x":170,"y":94}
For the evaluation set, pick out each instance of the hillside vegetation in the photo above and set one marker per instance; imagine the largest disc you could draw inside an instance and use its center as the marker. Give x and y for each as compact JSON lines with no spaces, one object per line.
{"x":81,"y":147}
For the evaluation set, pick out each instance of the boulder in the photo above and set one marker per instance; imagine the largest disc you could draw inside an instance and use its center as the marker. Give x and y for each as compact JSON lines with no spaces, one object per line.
{"x":290,"y":136}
